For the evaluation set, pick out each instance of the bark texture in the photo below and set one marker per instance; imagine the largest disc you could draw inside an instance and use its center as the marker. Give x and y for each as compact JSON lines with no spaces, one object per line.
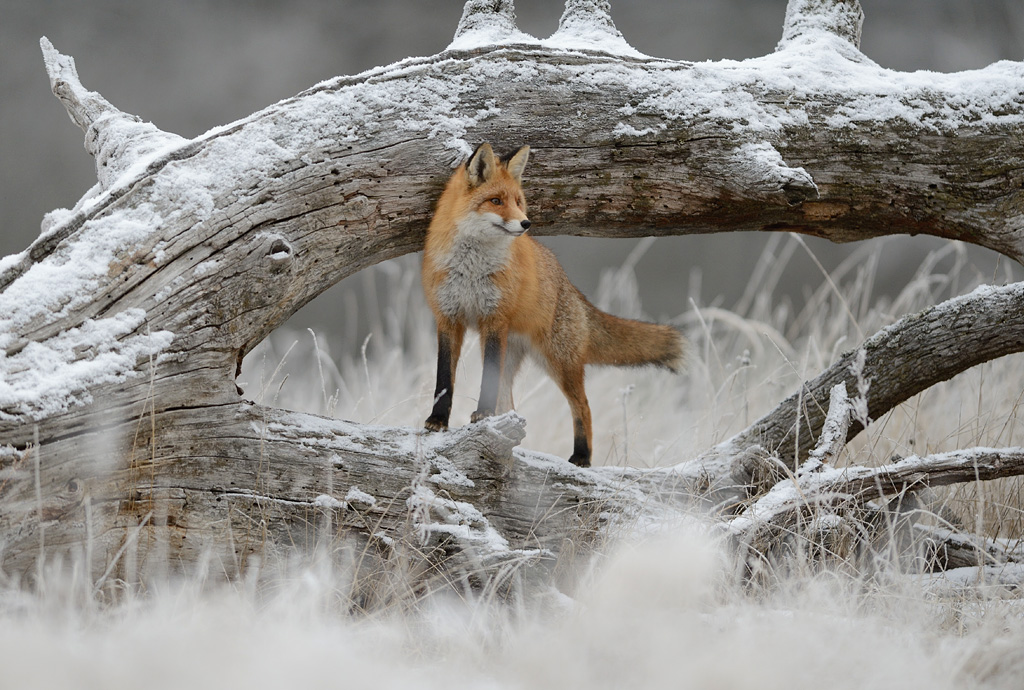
{"x":147,"y":295}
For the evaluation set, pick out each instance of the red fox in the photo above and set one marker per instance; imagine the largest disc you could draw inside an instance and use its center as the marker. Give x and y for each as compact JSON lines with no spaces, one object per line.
{"x":480,"y":270}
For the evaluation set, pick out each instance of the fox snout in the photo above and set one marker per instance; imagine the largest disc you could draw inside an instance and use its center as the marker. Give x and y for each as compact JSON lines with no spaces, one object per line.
{"x":524,"y":225}
{"x":515,"y":227}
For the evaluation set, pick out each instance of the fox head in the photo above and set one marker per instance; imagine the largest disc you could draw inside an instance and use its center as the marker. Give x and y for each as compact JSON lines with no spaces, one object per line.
{"x":496,"y":191}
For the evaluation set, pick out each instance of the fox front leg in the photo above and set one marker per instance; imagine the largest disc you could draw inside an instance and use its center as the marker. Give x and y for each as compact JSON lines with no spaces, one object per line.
{"x":449,"y":346}
{"x":494,"y":345}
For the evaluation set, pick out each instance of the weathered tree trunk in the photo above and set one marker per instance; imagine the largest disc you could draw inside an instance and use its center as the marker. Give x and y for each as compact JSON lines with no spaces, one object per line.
{"x":122,"y":432}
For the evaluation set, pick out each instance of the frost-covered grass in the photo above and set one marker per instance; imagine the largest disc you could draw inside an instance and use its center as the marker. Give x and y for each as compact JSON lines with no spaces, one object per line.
{"x":665,"y":609}
{"x":743,"y":361}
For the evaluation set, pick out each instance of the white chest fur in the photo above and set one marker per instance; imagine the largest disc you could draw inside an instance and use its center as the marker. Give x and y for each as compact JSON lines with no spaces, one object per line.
{"x":479,"y":251}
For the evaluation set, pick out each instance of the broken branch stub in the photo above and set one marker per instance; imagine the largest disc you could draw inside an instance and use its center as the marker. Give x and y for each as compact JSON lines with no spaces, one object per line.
{"x":118,"y":141}
{"x":841,"y":18}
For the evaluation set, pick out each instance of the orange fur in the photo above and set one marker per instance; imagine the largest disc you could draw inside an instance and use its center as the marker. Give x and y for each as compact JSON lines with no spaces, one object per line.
{"x":481,"y":271}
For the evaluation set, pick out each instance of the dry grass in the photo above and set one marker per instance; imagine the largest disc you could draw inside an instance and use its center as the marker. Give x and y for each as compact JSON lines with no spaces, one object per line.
{"x":665,"y":608}
{"x":743,"y":361}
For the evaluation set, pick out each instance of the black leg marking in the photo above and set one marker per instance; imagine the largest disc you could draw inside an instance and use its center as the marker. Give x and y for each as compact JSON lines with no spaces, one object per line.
{"x":580,"y":445}
{"x":442,"y":411}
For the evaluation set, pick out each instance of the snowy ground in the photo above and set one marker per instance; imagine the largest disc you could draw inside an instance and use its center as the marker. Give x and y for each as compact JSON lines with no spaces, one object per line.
{"x":662,"y":613}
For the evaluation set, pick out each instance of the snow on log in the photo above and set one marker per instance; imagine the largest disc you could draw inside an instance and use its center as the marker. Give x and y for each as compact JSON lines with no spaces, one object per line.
{"x":588,"y":25}
{"x":967,"y":581}
{"x":486,"y":22}
{"x":122,"y":327}
{"x":817,"y":492}
{"x":947,"y":548}
{"x":835,"y":428}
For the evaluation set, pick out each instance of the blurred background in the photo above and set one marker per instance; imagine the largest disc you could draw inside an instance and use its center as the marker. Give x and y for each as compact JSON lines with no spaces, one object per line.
{"x":190,"y":65}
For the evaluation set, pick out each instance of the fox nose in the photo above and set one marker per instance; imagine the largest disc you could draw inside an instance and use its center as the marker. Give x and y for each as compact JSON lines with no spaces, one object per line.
{"x":525,"y":224}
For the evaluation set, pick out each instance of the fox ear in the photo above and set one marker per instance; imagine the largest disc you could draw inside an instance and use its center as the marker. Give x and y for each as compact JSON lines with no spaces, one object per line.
{"x":481,"y":165}
{"x":517,"y":163}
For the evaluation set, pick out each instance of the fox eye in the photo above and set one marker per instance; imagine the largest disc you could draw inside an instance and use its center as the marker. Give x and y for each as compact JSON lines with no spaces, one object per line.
{"x":496,"y":201}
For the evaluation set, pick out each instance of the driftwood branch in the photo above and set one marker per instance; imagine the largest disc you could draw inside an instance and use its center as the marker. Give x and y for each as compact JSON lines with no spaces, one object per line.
{"x":948,"y":549}
{"x":816,"y":485}
{"x":892,"y":366}
{"x":123,"y":326}
{"x":822,"y":508}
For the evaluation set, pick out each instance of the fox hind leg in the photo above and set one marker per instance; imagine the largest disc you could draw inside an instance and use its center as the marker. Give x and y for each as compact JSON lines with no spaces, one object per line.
{"x":570,"y":380}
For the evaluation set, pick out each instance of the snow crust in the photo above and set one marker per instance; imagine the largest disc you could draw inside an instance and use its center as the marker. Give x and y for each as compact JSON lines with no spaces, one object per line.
{"x":326,"y":501}
{"x":972,"y":579}
{"x":489,"y":29}
{"x":354,"y":495}
{"x":357,"y":495}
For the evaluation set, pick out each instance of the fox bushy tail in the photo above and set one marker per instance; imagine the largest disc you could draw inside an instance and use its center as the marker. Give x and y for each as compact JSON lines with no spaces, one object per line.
{"x":627,"y":342}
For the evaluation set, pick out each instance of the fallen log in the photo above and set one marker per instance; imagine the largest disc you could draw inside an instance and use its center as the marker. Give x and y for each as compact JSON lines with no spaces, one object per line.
{"x":124,"y":436}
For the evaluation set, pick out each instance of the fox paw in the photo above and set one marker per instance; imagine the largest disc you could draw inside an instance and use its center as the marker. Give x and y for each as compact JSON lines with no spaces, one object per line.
{"x":580,"y":460}
{"x":480,"y":416}
{"x":435,"y":424}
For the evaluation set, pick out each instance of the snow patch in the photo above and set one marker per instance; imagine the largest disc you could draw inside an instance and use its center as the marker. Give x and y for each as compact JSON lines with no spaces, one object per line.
{"x":48,"y":377}
{"x":212,"y":265}
{"x":456,"y":518}
{"x":69,"y":277}
{"x":170,"y":289}
{"x":10,"y":260}
{"x":489,"y":33}
{"x":325,"y":501}
{"x":355,"y":495}
{"x":625,"y":130}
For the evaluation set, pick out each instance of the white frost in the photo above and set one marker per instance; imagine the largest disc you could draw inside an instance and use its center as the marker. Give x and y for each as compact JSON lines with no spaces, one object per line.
{"x":489,"y":34}
{"x":625,"y":130}
{"x":590,"y":31}
{"x":213,"y":264}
